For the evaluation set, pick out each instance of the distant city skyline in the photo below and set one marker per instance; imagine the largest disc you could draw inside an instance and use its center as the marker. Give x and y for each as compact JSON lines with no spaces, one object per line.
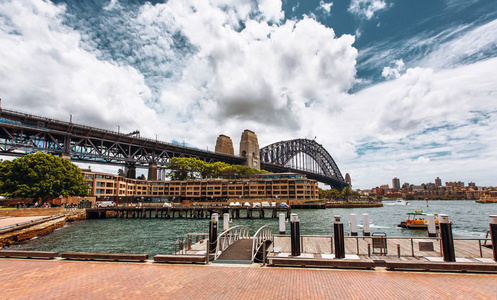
{"x":389,"y":88}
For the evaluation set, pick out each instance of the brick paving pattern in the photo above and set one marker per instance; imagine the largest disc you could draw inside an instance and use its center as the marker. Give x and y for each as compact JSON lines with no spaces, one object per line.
{"x":38,"y":279}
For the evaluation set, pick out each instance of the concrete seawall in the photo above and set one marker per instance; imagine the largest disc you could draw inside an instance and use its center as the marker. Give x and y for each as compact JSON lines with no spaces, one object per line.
{"x":49,"y":220}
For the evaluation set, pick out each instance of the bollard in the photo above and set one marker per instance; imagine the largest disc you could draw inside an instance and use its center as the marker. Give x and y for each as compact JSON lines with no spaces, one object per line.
{"x":295,"y":234}
{"x":398,"y":250}
{"x":493,"y":234}
{"x":432,"y":229}
{"x":226,"y":221}
{"x":282,"y":223}
{"x":339,"y":238}
{"x":369,"y":250}
{"x":213,"y":233}
{"x":353,"y":224}
{"x":365,"y":225}
{"x":447,"y":239}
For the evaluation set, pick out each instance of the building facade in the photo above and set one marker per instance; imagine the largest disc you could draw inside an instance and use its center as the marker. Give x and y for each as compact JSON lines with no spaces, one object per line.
{"x":287,"y":187}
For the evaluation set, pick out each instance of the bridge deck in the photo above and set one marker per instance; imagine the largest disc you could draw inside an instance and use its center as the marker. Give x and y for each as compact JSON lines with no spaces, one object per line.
{"x":240,"y":250}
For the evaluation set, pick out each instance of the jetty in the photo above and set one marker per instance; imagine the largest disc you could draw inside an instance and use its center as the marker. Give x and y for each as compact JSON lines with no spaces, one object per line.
{"x":193,"y":212}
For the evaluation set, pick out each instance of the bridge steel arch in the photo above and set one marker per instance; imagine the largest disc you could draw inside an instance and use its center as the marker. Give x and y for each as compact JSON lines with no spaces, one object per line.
{"x":277,"y":155}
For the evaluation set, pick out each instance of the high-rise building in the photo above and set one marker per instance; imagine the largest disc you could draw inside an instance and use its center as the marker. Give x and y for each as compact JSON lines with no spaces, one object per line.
{"x":438,"y":182}
{"x":396,"y":183}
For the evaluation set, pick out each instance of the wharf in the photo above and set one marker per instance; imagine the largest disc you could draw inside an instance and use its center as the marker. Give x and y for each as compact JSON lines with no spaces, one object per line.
{"x":194,"y":212}
{"x":415,"y":253}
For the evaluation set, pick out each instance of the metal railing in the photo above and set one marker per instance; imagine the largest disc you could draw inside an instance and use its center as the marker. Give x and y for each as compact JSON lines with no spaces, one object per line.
{"x":365,"y":240}
{"x":230,"y":236}
{"x":260,"y":237}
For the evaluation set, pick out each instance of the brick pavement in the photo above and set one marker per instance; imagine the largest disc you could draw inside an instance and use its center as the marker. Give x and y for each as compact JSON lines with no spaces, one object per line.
{"x":39,"y":279}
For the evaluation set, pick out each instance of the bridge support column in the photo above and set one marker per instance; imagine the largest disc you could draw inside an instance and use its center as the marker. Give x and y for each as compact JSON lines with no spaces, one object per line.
{"x":152,"y":171}
{"x":130,"y":171}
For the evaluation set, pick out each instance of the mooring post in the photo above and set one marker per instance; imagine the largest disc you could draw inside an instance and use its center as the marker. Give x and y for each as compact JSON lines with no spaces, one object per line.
{"x":339,"y":238}
{"x":447,"y":239}
{"x":213,"y":233}
{"x":493,"y":234}
{"x":365,"y":225}
{"x":353,"y":224}
{"x":282,"y":224}
{"x":226,"y":221}
{"x":432,"y":229}
{"x":295,"y":234}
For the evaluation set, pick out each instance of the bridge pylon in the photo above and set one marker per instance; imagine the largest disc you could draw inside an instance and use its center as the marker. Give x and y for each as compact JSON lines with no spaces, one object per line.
{"x":249,"y":149}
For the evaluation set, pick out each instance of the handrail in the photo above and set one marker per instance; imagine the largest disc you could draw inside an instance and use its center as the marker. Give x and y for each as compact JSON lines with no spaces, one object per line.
{"x":261,"y":236}
{"x":230,"y":236}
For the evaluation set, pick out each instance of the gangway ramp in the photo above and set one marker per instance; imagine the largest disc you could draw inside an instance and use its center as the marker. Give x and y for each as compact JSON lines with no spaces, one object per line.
{"x":236,"y":246}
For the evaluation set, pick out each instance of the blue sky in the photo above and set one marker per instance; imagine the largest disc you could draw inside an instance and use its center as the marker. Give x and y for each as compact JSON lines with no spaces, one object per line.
{"x":401,"y":89}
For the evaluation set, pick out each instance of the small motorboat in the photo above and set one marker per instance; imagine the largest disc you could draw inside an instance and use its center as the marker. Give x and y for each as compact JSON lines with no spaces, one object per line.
{"x":417,"y":220}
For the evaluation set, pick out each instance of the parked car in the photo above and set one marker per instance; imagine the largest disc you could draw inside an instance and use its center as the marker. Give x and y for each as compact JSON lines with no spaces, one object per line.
{"x":107,"y":204}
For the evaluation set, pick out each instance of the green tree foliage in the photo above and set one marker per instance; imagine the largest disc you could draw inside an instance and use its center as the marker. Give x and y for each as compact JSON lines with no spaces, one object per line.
{"x":346,"y":192}
{"x":330,"y":194}
{"x":41,"y":175}
{"x":183,"y":168}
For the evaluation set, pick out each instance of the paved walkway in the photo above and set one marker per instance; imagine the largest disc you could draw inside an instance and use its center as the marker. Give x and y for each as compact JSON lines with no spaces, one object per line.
{"x":38,"y":279}
{"x":18,"y":220}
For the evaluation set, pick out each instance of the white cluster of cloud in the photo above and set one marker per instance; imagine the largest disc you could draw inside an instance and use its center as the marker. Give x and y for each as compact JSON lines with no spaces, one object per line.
{"x":44,"y":71}
{"x":395,"y":71}
{"x":189,"y":71}
{"x":367,"y":8}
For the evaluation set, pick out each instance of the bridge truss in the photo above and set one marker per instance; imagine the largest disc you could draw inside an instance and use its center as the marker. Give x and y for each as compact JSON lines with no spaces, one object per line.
{"x":306,"y":156}
{"x":22,"y":133}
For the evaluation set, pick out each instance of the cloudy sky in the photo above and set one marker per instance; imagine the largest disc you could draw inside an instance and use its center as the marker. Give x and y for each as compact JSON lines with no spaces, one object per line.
{"x":401,"y":89}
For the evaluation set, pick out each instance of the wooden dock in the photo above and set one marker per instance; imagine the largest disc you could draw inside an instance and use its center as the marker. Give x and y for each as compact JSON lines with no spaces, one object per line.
{"x":193,"y":212}
{"x":368,"y":252}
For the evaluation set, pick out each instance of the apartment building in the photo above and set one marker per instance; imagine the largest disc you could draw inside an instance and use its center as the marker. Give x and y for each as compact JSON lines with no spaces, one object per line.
{"x":283,"y":186}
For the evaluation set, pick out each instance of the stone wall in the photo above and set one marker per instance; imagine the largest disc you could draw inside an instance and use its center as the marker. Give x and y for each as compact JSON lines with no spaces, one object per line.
{"x":31,"y":212}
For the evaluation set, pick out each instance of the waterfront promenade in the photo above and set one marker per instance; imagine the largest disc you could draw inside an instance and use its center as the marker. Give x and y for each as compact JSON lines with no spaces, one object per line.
{"x":57,"y":279}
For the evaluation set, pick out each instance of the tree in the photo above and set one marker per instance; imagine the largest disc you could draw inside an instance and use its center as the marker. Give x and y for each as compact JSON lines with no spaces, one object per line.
{"x":183,"y":168}
{"x":41,"y":175}
{"x":346,"y":192}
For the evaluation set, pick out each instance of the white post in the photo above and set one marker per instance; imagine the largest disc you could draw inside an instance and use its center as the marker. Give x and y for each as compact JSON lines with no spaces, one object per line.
{"x":353,"y":224}
{"x":226,"y":221}
{"x":365,"y":225}
{"x":282,"y":224}
{"x":432,"y":229}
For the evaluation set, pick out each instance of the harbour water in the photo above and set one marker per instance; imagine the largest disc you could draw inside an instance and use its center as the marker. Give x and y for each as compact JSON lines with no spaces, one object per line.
{"x":157,"y":236}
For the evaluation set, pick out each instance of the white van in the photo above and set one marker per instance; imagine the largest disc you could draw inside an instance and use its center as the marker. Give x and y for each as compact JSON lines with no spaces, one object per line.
{"x":107,"y":204}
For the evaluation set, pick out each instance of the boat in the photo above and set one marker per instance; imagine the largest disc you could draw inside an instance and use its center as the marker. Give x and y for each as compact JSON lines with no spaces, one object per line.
{"x":417,"y":220}
{"x":397,"y":202}
{"x":487,"y":199}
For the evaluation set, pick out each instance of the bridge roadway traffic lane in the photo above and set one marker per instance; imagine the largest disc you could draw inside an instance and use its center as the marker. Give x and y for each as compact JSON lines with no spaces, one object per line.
{"x":39,"y":279}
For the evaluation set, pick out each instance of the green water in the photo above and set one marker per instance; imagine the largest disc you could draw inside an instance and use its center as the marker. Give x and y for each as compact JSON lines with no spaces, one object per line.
{"x":157,"y":236}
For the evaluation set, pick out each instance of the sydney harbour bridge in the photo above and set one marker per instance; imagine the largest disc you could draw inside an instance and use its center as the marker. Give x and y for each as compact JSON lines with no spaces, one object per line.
{"x":22,"y":133}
